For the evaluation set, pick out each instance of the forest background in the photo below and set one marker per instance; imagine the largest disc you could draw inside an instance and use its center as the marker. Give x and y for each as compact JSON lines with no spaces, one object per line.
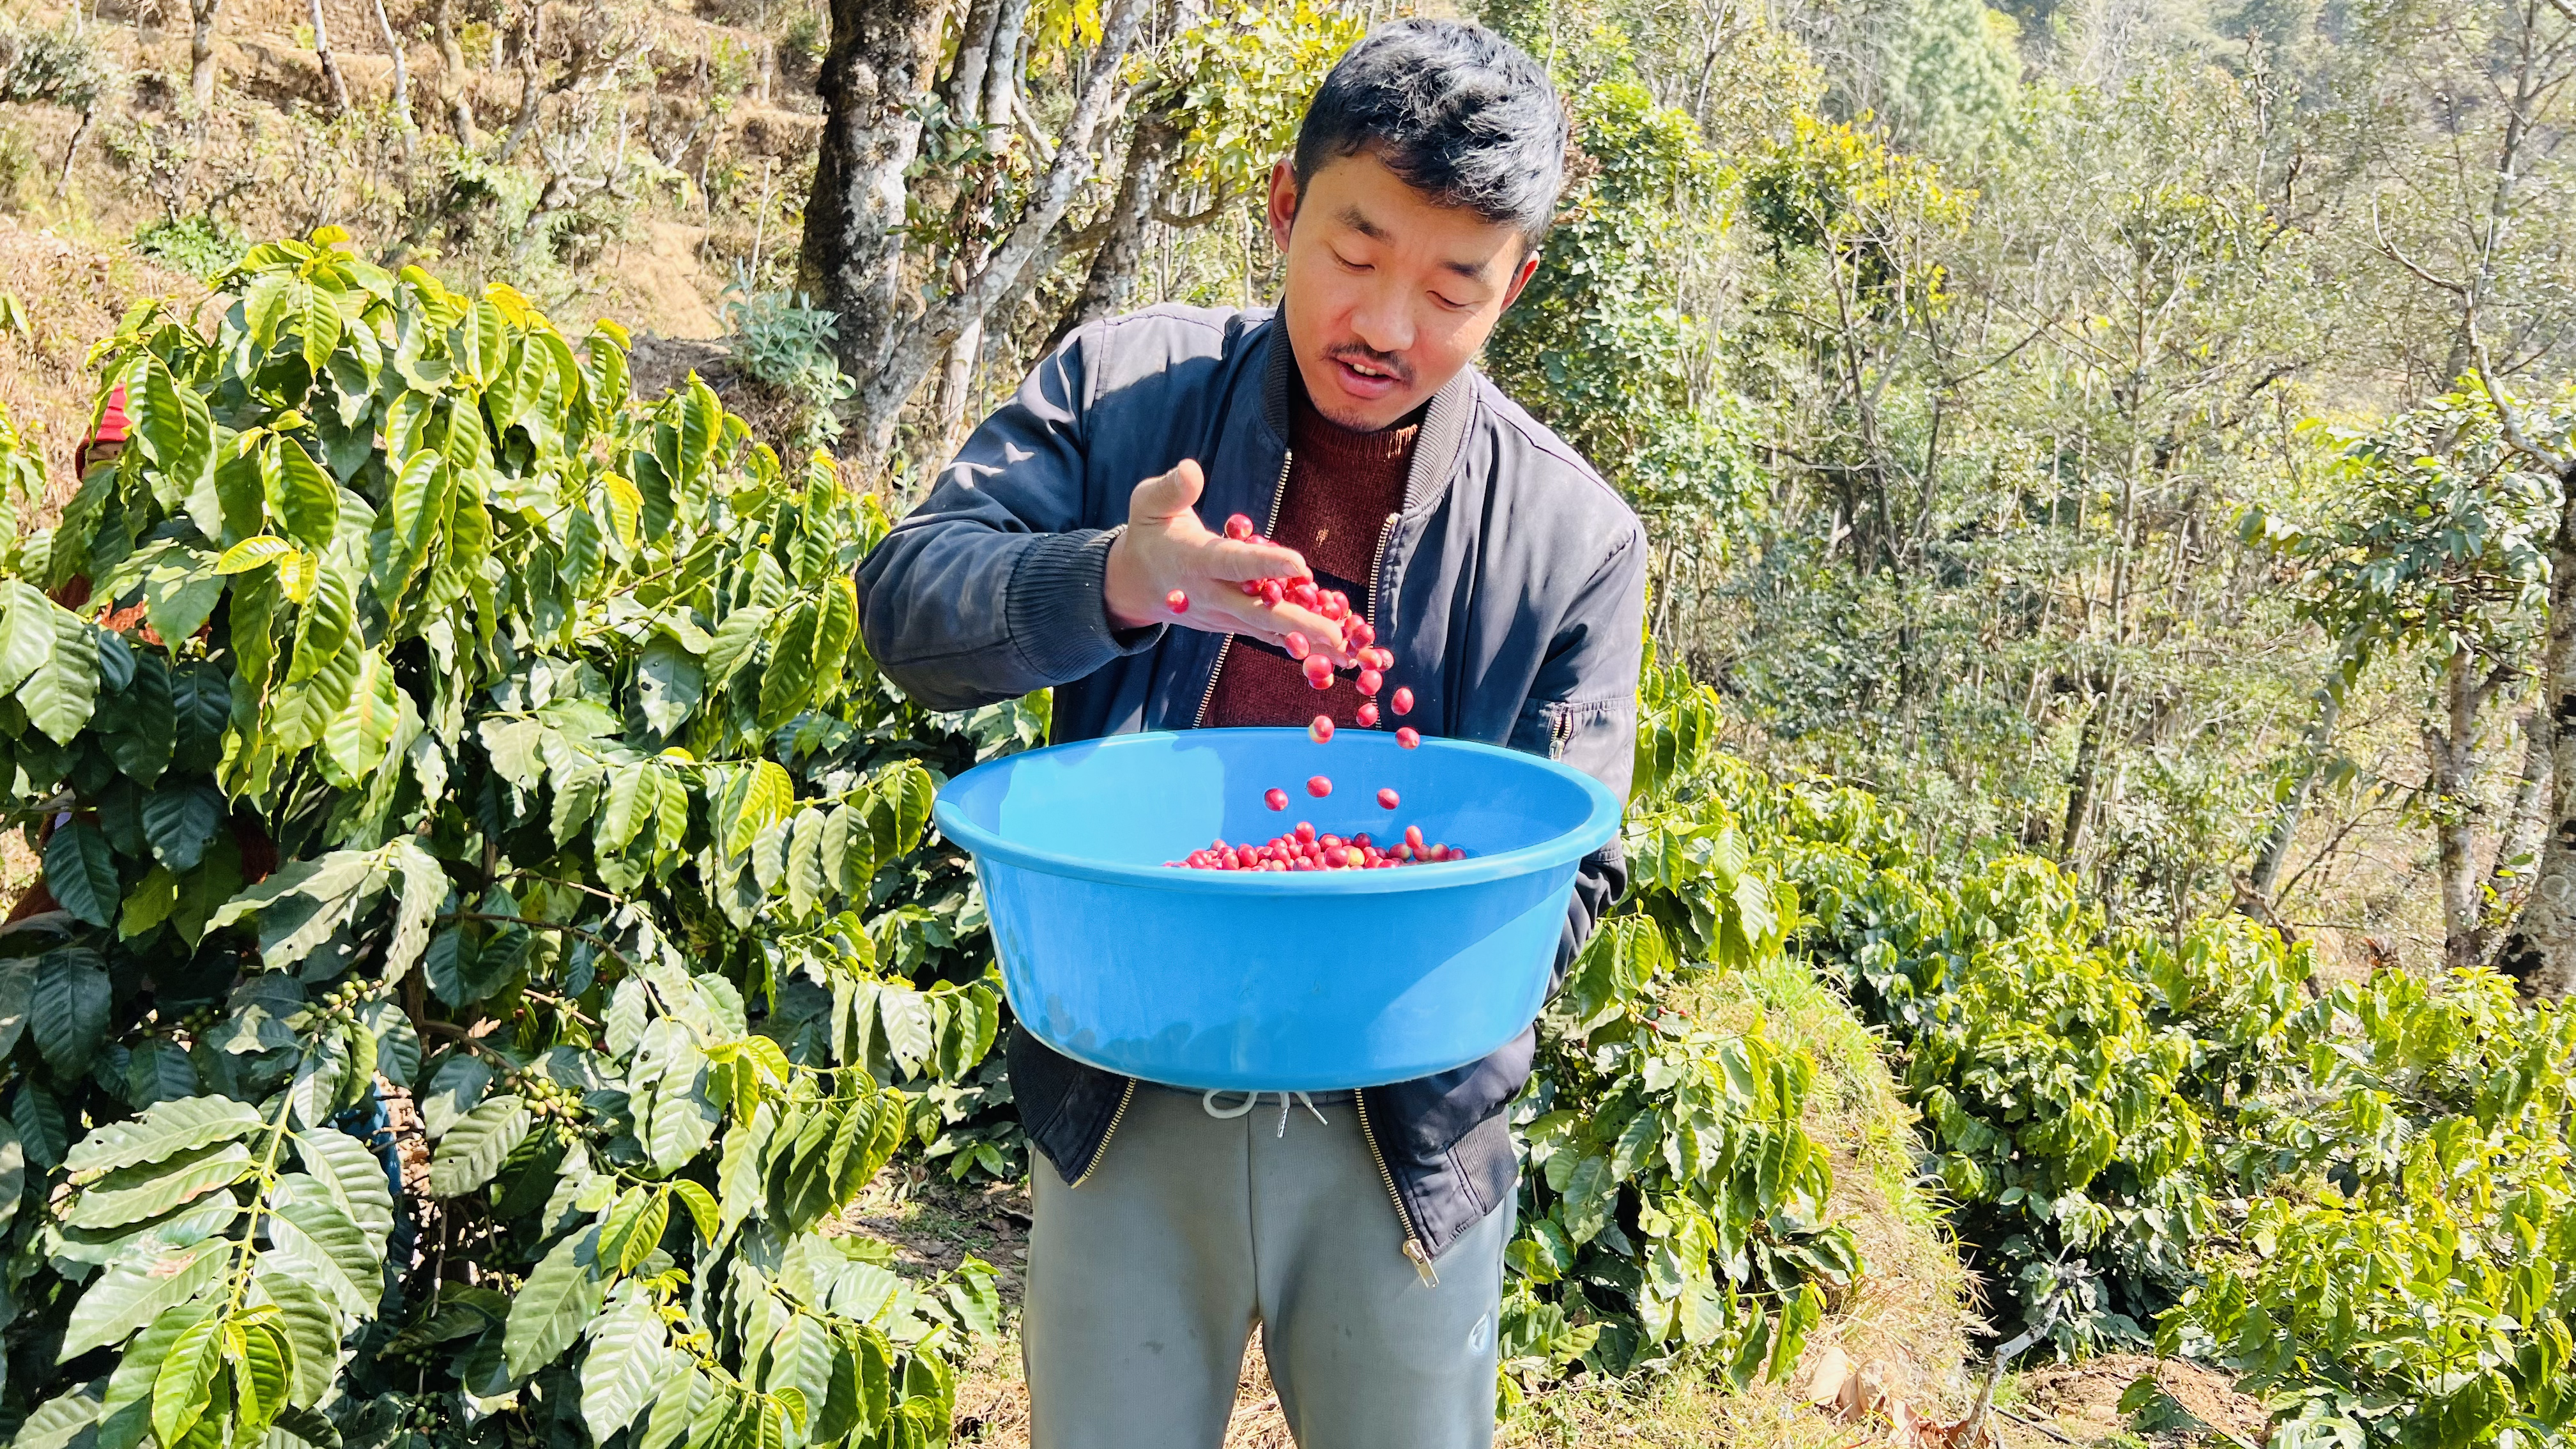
{"x":2128,"y":438}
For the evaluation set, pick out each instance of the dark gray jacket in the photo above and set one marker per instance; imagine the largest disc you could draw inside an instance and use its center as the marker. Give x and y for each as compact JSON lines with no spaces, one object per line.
{"x":1511,"y":588}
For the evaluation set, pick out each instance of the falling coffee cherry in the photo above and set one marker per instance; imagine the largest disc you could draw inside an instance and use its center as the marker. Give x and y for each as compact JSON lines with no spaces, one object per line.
{"x":1319,"y":787}
{"x":1388,"y":800}
{"x":1402,"y":700}
{"x":1275,"y":798}
{"x":1298,"y":648}
{"x":1369,"y":681}
{"x":1367,"y":714}
{"x":1408,"y":737}
{"x":1238,"y":528}
{"x":1319,"y":671}
{"x":1321,"y":730}
{"x":1178,"y":602}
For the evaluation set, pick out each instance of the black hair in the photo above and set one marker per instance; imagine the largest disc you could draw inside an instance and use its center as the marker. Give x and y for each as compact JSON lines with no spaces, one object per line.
{"x":1455,"y":111}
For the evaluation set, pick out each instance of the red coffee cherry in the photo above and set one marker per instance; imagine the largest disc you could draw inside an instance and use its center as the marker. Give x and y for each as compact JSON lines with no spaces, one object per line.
{"x":1238,"y":528}
{"x":1271,"y":591}
{"x":1369,"y":680}
{"x":1402,"y":700}
{"x":1319,"y":787}
{"x":1177,"y":602}
{"x":1387,"y":800}
{"x":1408,"y":737}
{"x":1367,"y":715}
{"x":1319,"y":671}
{"x":1298,"y":648}
{"x":1321,"y":730}
{"x":1275,"y":798}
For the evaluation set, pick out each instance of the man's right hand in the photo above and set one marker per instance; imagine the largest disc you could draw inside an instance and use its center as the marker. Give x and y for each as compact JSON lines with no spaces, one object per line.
{"x":1166,"y":547}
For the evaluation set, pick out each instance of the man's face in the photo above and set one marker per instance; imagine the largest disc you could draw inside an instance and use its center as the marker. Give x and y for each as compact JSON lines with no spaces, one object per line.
{"x":1388,"y":293}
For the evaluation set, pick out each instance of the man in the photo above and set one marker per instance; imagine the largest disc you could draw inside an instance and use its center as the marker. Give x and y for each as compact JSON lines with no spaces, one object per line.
{"x":1365,"y":1239}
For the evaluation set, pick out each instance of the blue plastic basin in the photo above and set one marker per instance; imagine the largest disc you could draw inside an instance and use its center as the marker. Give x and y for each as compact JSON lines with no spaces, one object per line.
{"x":1269,"y":981}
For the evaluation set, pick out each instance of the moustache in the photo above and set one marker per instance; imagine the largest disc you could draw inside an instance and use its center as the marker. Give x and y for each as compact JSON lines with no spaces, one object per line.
{"x":1376,"y":361}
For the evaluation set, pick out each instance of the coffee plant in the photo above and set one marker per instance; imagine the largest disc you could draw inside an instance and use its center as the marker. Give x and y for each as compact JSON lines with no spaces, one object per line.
{"x":2361,"y":1198}
{"x":2406,"y":1280}
{"x":1675,"y":1205}
{"x":438,"y":752}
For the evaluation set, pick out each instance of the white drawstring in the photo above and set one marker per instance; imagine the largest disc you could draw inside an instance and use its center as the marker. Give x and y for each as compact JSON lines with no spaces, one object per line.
{"x":1207,"y":1103}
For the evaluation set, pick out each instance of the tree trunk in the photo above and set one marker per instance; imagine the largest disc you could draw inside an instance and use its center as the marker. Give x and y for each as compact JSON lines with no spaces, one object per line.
{"x":1002,"y":62}
{"x":2453,"y":758}
{"x":1113,"y":267}
{"x":2086,"y":782}
{"x":402,"y":79}
{"x":451,"y":82}
{"x":853,"y":243}
{"x":531,"y":60}
{"x":2274,"y":852}
{"x":965,"y":93}
{"x":2518,"y":845}
{"x":2540,"y":952}
{"x":330,"y":67}
{"x":880,"y":59}
{"x":201,"y":52}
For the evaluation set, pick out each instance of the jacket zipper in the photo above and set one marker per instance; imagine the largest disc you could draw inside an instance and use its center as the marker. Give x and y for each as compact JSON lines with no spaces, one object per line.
{"x":1559,"y":731}
{"x":1377,"y":566}
{"x":1413,"y":1248}
{"x":1278,"y":495}
{"x":1101,"y":1152}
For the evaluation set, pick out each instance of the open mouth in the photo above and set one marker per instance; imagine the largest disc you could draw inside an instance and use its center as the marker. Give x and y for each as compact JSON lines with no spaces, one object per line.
{"x":1365,"y":378}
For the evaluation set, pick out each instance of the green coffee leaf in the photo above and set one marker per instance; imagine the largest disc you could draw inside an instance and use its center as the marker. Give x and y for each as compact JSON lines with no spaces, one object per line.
{"x":131,"y":1294}
{"x":182,"y":1390}
{"x":303,"y":499}
{"x":351,"y":1177}
{"x":319,"y":1244}
{"x":125,"y":1416}
{"x":147,"y":1190}
{"x":67,"y":1005}
{"x":472,"y":1150}
{"x":58,"y":1421}
{"x":559,"y":1297}
{"x":180,"y":818}
{"x":80,"y":869}
{"x":625,"y":1366}
{"x":312,"y":1325}
{"x":164,"y":1129}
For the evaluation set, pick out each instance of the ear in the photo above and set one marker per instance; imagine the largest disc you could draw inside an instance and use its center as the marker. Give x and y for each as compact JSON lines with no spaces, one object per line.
{"x":1520,"y":278}
{"x":1283,"y":202}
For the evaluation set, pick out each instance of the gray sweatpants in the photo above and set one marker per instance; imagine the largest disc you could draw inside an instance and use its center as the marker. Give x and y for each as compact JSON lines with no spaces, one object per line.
{"x":1145,"y":1283}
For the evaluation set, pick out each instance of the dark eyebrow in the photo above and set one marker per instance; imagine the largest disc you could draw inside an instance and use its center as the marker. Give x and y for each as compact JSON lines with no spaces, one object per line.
{"x":1356,"y":220}
{"x":1352,"y":217}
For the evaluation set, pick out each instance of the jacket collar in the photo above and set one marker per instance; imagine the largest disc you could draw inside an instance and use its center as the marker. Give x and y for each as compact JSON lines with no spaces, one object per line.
{"x":1435,"y":448}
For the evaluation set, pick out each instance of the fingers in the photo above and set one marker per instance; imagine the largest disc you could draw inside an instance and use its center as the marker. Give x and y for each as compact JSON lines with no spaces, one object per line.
{"x":1236,"y":561}
{"x":1239,"y":615}
{"x":1167,"y":495}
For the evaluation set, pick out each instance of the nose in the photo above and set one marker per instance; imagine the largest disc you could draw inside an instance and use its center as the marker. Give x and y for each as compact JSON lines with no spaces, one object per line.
{"x":1382,"y":322}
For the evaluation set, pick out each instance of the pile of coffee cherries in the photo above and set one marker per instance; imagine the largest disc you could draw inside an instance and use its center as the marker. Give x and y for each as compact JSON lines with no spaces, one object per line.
{"x":1303,"y":849}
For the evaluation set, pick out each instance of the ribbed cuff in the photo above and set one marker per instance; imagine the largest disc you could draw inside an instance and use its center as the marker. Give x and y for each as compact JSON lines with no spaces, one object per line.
{"x":1058,"y":611}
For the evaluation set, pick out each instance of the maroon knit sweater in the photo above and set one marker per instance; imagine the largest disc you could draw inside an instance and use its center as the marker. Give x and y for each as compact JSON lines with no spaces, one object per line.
{"x":1342,"y":488}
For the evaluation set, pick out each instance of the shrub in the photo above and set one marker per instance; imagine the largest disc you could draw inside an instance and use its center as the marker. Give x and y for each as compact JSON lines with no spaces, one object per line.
{"x":199,"y":246}
{"x":445,"y":726}
{"x":2405,"y":1280}
{"x":1674,"y":1207}
{"x":785,"y":343}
